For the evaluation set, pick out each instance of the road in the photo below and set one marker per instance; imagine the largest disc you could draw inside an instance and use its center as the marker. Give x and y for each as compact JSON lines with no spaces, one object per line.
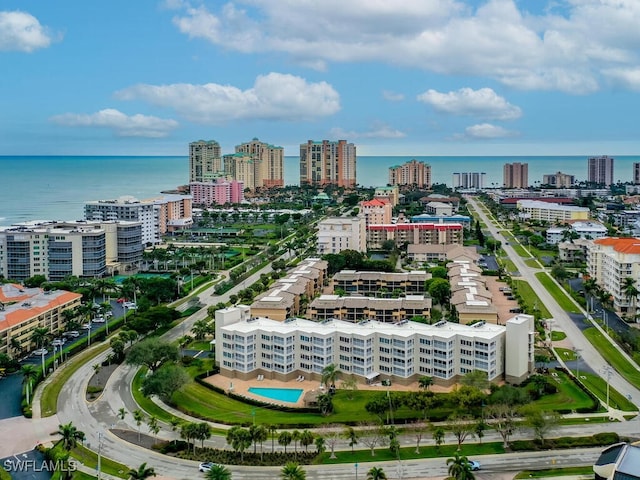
{"x":98,"y":417}
{"x":588,"y":352}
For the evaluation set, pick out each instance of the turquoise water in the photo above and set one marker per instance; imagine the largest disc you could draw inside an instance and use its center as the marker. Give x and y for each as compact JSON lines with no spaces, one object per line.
{"x":56,"y":188}
{"x":118,"y":279}
{"x":291,"y":395}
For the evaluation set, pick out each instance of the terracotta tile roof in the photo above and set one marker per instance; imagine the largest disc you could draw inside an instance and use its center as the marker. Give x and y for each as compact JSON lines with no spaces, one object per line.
{"x":622,"y":245}
{"x":376,"y":202}
{"x":39,"y":303}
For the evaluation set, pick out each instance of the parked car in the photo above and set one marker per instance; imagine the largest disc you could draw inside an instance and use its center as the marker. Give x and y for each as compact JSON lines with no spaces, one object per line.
{"x":41,"y":351}
{"x":511,"y":297}
{"x":71,"y":334}
{"x":58,"y":342}
{"x":98,"y":320}
{"x":206,"y":466}
{"x":515,"y":310}
{"x":86,"y":326}
{"x":130,"y":305}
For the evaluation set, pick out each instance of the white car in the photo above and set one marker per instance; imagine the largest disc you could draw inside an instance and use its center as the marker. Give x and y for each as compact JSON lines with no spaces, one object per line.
{"x":41,"y":351}
{"x":474,"y":465}
{"x":130,"y":305}
{"x":98,"y":320}
{"x":206,"y":466}
{"x":58,"y":342}
{"x":86,"y":326}
{"x":72,"y":334}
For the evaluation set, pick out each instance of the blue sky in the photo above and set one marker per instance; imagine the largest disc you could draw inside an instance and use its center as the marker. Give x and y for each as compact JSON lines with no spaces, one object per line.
{"x":416,"y":77}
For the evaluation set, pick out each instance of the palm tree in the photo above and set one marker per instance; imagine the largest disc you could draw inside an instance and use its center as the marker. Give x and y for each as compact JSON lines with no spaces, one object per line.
{"x":29,"y":374}
{"x":306,"y":439}
{"x":70,"y":436}
{"x":293,"y":471}
{"x":329,"y":375}
{"x":285,"y":439}
{"x":376,"y":473}
{"x":351,"y":434}
{"x":460,"y":468}
{"x":631,"y":293}
{"x":142,"y":472}
{"x":138,"y":416}
{"x":425,"y":382}
{"x":39,"y":336}
{"x":218,"y":472}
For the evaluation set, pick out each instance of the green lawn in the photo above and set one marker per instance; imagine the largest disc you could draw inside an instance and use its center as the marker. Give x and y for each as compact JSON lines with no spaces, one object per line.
{"x":49,"y":399}
{"x":556,"y":472}
{"x":611,"y":354}
{"x":598,"y":386}
{"x":427,"y":450}
{"x":108,"y":466}
{"x":565,"y":302}
{"x":530,"y":298}
{"x":199,"y":345}
{"x":556,"y":336}
{"x":531,"y":262}
{"x":569,"y":396}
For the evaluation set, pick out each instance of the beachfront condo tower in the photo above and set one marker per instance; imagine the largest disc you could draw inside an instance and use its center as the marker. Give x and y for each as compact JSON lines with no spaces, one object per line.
{"x":328,"y":163}
{"x":205,"y":161}
{"x":600,"y":170}
{"x":268,"y":162}
{"x":516,"y":175}
{"x":411,"y":174}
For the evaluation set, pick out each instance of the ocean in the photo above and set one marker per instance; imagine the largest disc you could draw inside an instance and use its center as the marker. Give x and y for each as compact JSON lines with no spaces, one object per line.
{"x":56,"y":188}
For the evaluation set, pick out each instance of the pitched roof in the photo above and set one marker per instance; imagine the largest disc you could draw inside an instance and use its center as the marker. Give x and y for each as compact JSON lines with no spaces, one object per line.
{"x":622,"y":245}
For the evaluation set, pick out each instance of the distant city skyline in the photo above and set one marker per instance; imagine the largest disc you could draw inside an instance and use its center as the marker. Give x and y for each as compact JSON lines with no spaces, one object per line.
{"x":452,"y":77}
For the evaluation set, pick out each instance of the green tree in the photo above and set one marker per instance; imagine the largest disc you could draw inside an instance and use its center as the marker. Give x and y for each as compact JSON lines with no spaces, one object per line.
{"x":141,"y":472}
{"x":440,"y":290}
{"x":293,"y":471}
{"x":376,"y":473}
{"x":325,"y":404}
{"x":477,"y":379}
{"x":460,"y":468}
{"x":438,"y":436}
{"x":306,"y":438}
{"x":152,"y":424}
{"x":39,"y":336}
{"x":425,"y":382}
{"x":165,"y":381}
{"x":29,"y":374}
{"x":152,"y":353}
{"x":631,"y":293}
{"x":70,"y":436}
{"x":138,"y":417}
{"x":462,"y":427}
{"x":201,"y":329}
{"x":285,"y":438}
{"x":218,"y":472}
{"x":240,"y":439}
{"x":329,"y":375}
{"x":541,"y":422}
{"x":352,"y":435}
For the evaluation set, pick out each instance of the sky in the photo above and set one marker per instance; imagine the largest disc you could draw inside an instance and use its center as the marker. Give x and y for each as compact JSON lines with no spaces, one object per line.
{"x":410,"y":77}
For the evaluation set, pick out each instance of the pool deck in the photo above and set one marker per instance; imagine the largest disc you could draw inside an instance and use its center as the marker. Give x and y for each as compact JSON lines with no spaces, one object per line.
{"x":241,"y":387}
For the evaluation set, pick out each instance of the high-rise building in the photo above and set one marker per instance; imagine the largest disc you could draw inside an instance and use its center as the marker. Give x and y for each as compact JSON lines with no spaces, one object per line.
{"x":336,"y":234}
{"x":600,"y":170}
{"x":268,"y":163}
{"x":469,"y":180}
{"x":242,"y":168}
{"x":636,"y":173}
{"x":219,"y":193}
{"x":328,"y":163}
{"x":205,"y":160}
{"x":559,"y":180}
{"x":412,"y":173}
{"x":516,"y":175}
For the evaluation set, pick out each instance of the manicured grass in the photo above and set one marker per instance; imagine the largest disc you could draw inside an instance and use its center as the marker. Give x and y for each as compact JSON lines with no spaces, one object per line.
{"x":555,"y":472}
{"x":569,"y":396}
{"x":108,"y":466}
{"x":558,"y":294}
{"x":199,"y":345}
{"x":409,"y":453}
{"x":508,"y":265}
{"x":50,"y":393}
{"x":4,"y":475}
{"x":532,"y":263}
{"x":584,"y":420}
{"x":530,"y":298}
{"x":556,"y":335}
{"x":598,"y":386}
{"x":613,"y":356}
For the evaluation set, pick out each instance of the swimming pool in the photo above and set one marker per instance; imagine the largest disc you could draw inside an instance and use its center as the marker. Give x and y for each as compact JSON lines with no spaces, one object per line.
{"x":291,"y":395}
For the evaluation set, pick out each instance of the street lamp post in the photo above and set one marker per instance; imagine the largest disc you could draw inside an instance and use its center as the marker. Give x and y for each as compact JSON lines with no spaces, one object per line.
{"x":607,"y":372}
{"x":356,"y":465}
{"x":99,"y":454}
{"x":577,"y":353}
{"x":42,"y":360}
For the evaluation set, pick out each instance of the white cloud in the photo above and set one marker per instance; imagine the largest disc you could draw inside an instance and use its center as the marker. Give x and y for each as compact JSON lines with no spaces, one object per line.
{"x":563,"y":49}
{"x":274,"y":96}
{"x":628,"y":78}
{"x":21,"y":31}
{"x":484,"y":103}
{"x":484,"y":131}
{"x":123,"y":125}
{"x":392,"y":96}
{"x":377,"y":131}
